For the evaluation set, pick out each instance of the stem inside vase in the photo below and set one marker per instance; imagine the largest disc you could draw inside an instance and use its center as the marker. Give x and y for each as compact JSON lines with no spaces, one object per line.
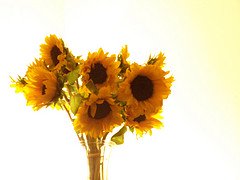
{"x":97,"y":154}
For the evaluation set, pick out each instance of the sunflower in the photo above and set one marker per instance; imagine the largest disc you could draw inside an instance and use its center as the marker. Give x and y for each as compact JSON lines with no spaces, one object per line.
{"x":53,"y":52}
{"x":145,"y":87}
{"x":41,"y":88}
{"x":142,"y":123}
{"x":101,"y":69}
{"x":98,"y":115}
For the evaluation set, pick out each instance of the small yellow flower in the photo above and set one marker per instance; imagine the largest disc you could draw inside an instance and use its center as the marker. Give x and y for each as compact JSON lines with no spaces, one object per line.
{"x":145,"y":87}
{"x":18,"y":84}
{"x":41,"y":87}
{"x":98,"y":115}
{"x":53,"y":52}
{"x":101,"y":69}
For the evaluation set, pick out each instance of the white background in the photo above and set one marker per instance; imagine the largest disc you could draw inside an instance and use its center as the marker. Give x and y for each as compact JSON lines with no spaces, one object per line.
{"x":201,"y":41}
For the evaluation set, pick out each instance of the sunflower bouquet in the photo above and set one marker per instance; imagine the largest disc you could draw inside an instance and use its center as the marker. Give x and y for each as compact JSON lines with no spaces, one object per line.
{"x":104,"y":95}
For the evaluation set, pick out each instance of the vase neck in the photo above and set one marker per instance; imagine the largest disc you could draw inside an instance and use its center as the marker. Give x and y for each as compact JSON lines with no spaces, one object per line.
{"x":97,"y":156}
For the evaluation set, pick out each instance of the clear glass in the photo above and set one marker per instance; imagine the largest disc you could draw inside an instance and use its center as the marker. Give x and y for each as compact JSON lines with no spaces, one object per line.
{"x":96,"y":157}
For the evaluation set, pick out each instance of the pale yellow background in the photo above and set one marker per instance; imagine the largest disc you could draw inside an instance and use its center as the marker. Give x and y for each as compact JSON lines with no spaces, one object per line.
{"x":201,"y":40}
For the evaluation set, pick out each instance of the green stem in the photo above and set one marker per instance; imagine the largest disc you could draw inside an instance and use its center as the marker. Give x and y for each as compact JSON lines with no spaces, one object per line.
{"x":63,"y":105}
{"x":94,"y":158}
{"x":65,"y":97}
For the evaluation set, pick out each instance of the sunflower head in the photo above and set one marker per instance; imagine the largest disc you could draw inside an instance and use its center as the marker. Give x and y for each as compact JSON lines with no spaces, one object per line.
{"x":145,"y":87}
{"x":53,"y":52}
{"x":41,"y":88}
{"x":142,"y":87}
{"x":101,"y":69}
{"x":142,"y":123}
{"x":98,"y":115}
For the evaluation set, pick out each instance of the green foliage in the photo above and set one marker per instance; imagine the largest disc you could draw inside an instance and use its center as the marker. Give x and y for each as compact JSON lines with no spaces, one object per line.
{"x":72,"y":89}
{"x":91,"y":86}
{"x":118,"y":138}
{"x":73,"y":76}
{"x":123,"y":66}
{"x":131,"y":129}
{"x":75,"y":102}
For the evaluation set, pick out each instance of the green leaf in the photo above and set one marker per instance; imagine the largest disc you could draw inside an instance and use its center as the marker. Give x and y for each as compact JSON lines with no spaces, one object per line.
{"x":131,"y":129}
{"x":91,"y":86}
{"x":118,"y":138}
{"x":75,"y":102}
{"x":122,"y":103}
{"x":73,"y":76}
{"x":69,"y":57}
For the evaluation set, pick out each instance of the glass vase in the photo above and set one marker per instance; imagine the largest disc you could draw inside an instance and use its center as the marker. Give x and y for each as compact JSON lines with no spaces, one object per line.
{"x":95,"y":156}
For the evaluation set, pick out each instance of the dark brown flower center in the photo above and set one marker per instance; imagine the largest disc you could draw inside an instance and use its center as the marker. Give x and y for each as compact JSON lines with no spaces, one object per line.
{"x":140,"y":118}
{"x":44,"y":89}
{"x":102,"y":110}
{"x":98,"y":73}
{"x":142,"y":88}
{"x":55,"y":51}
